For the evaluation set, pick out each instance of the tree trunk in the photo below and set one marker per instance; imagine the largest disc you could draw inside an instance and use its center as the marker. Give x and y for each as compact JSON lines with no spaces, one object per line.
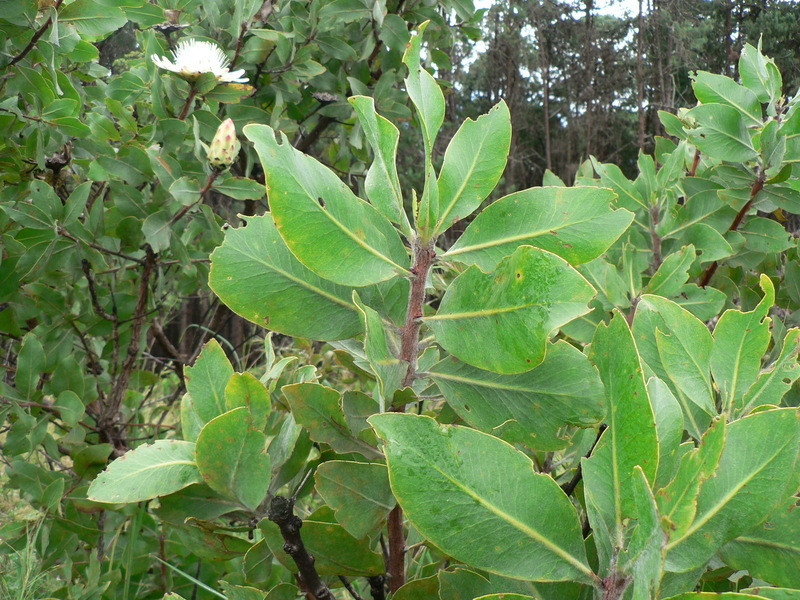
{"x":640,"y":76}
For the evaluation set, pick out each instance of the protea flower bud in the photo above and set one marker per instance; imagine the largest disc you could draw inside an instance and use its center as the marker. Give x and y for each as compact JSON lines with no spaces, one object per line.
{"x":225,"y":146}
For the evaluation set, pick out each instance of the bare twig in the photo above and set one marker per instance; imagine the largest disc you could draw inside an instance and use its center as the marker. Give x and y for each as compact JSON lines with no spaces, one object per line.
{"x":281,"y":512}
{"x":63,"y":232}
{"x":212,"y":177}
{"x":101,"y":312}
{"x":349,"y":587}
{"x":38,"y":34}
{"x":376,"y":587}
{"x":108,"y":418}
{"x":570,"y":486}
{"x":189,"y":102}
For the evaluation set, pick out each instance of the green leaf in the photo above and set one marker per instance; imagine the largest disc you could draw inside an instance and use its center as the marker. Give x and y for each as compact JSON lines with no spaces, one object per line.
{"x":677,"y":501}
{"x":718,"y":89}
{"x":318,"y":409}
{"x":512,"y":311}
{"x":713,"y":596}
{"x":70,"y":407}
{"x":672,"y":273}
{"x":629,"y":441}
{"x":30,"y":364}
{"x":232,"y":457}
{"x":394,"y":32}
{"x":157,"y":231}
{"x":577,"y":224}
{"x":343,"y":11}
{"x":381,"y":184}
{"x":722,"y":133}
{"x":740,"y":340}
{"x":428,"y":99}
{"x":644,"y":557}
{"x":92,"y":18}
{"x":756,"y":465}
{"x":462,"y":584}
{"x":704,"y":303}
{"x":774,"y":593}
{"x":423,"y":90}
{"x":424,"y":588}
{"x":530,"y":408}
{"x":185,"y":190}
{"x":669,"y":429}
{"x":359,"y":493}
{"x":677,"y":347}
{"x":382,"y":347}
{"x":240,"y":188}
{"x":772,"y":385}
{"x":771,"y":550}
{"x":230,"y":93}
{"x":309,"y":203}
{"x":459,"y":486}
{"x":335,"y":551}
{"x":198,"y":501}
{"x":207,"y":379}
{"x":765,"y":235}
{"x":505,"y":596}
{"x":244,"y":389}
{"x":760,"y":74}
{"x":148,"y":472}
{"x":611,"y":176}
{"x":256,"y":275}
{"x":76,"y":203}
{"x":473,"y":163}
{"x":240,"y":592}
{"x":283,"y":591}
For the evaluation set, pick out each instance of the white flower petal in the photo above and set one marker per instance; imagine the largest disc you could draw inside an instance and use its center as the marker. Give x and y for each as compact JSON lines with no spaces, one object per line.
{"x":193,"y":57}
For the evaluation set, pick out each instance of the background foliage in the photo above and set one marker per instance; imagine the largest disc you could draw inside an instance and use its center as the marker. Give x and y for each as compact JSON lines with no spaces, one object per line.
{"x":112,"y":338}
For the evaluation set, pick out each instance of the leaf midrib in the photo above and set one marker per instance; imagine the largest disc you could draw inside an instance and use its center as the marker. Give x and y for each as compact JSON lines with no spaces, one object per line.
{"x":529,"y":531}
{"x":348,"y":232}
{"x":710,"y":514}
{"x":496,"y":385}
{"x":297,"y":280}
{"x":482,"y":313}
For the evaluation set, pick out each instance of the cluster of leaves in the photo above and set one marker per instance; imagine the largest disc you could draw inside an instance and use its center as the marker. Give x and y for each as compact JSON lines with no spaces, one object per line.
{"x":549,"y":408}
{"x":583,"y":396}
{"x":109,"y":211}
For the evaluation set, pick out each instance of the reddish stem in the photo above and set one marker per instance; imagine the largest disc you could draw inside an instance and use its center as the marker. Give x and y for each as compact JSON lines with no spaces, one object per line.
{"x":424,"y":254}
{"x":189,"y":102}
{"x":758,"y":185}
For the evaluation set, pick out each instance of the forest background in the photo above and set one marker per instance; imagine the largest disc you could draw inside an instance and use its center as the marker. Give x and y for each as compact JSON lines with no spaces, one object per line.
{"x":110,"y":213}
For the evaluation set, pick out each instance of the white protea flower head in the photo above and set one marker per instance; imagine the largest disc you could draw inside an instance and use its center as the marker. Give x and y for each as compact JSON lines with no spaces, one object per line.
{"x":225,"y":146}
{"x":194,"y":57}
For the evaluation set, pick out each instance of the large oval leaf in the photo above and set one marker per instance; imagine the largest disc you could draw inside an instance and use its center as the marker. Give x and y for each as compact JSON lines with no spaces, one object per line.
{"x":722,"y":133}
{"x":480,"y":501}
{"x":770,"y":551}
{"x":629,"y":441}
{"x":500,"y":321}
{"x":757,"y":464}
{"x":331,"y":231}
{"x":531,"y":407}
{"x":577,"y":224}
{"x":473,"y":163}
{"x":677,"y":346}
{"x":148,"y":472}
{"x":358,"y":492}
{"x":256,"y":275}
{"x":232,"y":457}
